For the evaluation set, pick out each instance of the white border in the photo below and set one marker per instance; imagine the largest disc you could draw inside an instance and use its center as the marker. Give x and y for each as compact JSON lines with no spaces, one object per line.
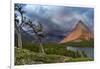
{"x":87,"y":3}
{"x":73,"y":3}
{"x":12,"y":36}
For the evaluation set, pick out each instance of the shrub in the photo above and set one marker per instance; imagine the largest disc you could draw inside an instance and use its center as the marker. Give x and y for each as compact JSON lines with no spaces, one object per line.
{"x":31,"y":46}
{"x":55,"y":49}
{"x":23,"y":56}
{"x":78,"y":59}
{"x":52,"y":48}
{"x":54,"y":59}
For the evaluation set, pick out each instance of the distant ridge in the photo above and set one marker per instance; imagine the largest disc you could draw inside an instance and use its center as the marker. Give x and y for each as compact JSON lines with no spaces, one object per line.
{"x":79,"y":33}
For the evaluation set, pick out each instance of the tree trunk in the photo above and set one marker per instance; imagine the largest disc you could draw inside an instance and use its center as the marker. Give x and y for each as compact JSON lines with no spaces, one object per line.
{"x":19,"y":40}
{"x":41,"y":46}
{"x":19,"y":34}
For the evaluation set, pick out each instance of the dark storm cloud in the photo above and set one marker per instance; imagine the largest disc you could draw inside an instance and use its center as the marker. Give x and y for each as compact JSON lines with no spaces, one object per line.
{"x":60,"y":18}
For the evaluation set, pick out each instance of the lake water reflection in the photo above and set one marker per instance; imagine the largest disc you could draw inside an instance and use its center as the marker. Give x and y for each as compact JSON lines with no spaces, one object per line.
{"x":89,"y":51}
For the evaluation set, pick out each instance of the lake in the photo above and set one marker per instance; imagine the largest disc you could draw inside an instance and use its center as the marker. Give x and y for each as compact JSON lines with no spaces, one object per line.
{"x":89,"y":51}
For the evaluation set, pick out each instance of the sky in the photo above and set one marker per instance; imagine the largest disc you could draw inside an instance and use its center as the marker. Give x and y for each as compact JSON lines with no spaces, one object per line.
{"x":59,"y":19}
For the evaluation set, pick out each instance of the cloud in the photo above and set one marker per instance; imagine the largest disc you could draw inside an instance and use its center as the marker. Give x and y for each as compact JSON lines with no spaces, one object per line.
{"x":60,"y":17}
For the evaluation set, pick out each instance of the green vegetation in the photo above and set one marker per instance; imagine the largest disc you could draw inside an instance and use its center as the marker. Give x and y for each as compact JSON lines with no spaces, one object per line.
{"x":55,"y":53}
{"x":24,"y":56}
{"x":52,"y":48}
{"x":83,"y":43}
{"x":78,"y":59}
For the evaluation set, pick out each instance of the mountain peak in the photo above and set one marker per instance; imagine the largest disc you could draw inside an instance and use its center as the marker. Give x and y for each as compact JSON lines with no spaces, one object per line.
{"x":80,"y":32}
